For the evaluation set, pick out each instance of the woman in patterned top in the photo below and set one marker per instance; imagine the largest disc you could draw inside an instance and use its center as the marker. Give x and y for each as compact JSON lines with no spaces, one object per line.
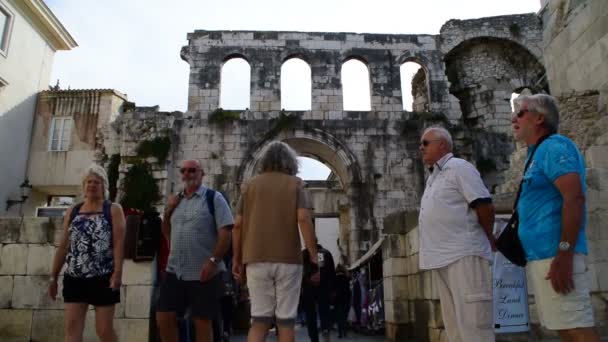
{"x":92,"y":249}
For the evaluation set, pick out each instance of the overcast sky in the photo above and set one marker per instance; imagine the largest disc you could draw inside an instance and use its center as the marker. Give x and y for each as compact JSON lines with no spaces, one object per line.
{"x":133,"y":45}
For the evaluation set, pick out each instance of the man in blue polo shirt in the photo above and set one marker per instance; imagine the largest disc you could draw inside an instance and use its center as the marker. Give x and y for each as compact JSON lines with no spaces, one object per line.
{"x":552,"y":220}
{"x":198,"y":239}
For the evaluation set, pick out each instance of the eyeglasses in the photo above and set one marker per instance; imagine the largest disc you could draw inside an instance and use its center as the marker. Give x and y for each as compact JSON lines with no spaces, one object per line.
{"x":187,"y":169}
{"x":521,"y":113}
{"x":426,"y":143}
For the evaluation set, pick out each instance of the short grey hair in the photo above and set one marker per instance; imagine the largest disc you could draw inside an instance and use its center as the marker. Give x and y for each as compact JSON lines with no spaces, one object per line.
{"x":279,"y":157}
{"x":541,"y":103}
{"x":98,"y":171}
{"x":442,"y":134}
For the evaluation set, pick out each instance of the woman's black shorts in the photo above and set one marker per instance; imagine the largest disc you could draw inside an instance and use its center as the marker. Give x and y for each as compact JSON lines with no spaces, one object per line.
{"x":94,"y":291}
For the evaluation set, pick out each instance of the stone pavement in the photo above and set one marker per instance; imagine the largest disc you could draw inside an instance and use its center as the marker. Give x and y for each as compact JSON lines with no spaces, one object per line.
{"x":302,"y":336}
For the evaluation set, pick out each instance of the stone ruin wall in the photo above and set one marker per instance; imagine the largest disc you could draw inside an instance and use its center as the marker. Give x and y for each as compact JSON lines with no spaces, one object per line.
{"x":27,"y":247}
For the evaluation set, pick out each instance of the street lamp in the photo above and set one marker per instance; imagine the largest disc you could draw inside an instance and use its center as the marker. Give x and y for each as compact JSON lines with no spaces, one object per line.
{"x":26,"y":190}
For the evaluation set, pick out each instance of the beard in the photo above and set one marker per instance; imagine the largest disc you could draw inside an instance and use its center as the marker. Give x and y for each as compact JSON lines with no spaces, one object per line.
{"x":191,"y":182}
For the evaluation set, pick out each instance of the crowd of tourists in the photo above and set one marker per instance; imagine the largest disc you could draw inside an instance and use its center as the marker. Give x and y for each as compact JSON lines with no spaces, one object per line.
{"x":260,"y":246}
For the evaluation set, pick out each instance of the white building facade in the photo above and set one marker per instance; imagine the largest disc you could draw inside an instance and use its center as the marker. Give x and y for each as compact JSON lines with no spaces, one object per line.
{"x":30,"y":34}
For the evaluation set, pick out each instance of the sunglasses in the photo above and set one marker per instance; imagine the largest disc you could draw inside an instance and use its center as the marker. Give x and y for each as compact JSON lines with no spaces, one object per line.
{"x":521,"y":113}
{"x":426,"y":143}
{"x":187,"y":169}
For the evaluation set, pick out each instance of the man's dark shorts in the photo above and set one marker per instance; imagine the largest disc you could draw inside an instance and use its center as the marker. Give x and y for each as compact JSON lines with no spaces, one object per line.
{"x":202,"y":300}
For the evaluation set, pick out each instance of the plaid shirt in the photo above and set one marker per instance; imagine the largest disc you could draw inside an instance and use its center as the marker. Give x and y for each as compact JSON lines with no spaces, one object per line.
{"x":194,"y":234}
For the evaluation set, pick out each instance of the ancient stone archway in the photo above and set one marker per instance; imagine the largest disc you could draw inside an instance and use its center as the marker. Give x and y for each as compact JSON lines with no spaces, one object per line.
{"x":373,"y":153}
{"x":334,"y":200}
{"x":483,"y":73}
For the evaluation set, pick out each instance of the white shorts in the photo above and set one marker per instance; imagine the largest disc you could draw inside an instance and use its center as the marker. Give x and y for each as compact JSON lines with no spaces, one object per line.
{"x":274,"y":290}
{"x":557,"y":311}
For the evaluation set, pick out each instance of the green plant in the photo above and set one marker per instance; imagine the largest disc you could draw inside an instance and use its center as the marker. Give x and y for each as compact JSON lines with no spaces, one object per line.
{"x":158,"y":147}
{"x":282,"y":122}
{"x":515,"y":30}
{"x":139,"y":187}
{"x":221,"y":116}
{"x":113,"y":175}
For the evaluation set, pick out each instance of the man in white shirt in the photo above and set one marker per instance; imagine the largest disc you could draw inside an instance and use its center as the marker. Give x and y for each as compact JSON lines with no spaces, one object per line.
{"x":456,"y":241}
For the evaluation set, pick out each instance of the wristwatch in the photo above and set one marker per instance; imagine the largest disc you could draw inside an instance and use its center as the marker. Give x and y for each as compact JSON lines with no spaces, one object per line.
{"x":214,"y":260}
{"x":564,"y":246}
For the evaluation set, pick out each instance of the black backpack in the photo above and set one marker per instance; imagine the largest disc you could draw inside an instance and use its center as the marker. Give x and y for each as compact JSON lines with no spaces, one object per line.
{"x":107,"y":211}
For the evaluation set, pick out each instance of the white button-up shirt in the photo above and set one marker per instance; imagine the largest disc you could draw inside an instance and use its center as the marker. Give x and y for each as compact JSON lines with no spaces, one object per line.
{"x":449,"y":226}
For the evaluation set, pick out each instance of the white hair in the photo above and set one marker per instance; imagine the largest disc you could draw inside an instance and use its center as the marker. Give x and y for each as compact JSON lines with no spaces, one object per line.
{"x":442,"y":134}
{"x":541,"y":103}
{"x":98,"y":171}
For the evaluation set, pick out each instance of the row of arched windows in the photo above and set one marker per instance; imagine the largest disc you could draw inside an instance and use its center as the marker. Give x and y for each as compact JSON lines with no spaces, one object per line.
{"x":296,"y":85}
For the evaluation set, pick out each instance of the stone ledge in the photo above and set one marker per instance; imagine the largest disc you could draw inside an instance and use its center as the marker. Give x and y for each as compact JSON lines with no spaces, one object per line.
{"x":15,"y":325}
{"x":6,"y":291}
{"x":400,"y":222}
{"x":40,"y":259}
{"x":13,"y":259}
{"x":137,"y":273}
{"x":137,"y":303}
{"x":31,"y":292}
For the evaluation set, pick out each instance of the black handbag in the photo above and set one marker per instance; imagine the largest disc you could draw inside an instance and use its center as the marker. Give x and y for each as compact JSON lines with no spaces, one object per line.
{"x":508,"y":242}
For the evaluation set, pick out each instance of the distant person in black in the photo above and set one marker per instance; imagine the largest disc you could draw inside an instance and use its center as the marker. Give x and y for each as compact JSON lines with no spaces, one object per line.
{"x":342,"y":298}
{"x":317,"y":287}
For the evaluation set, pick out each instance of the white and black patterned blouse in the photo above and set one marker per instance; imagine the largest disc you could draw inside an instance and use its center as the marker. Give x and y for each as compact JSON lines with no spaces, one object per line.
{"x":90,"y":252}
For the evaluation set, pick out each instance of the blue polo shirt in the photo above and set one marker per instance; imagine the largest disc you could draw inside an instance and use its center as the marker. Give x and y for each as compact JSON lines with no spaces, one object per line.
{"x":540,"y":203}
{"x":194,"y":234}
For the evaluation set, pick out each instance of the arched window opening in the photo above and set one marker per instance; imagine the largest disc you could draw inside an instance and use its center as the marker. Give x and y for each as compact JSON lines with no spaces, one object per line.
{"x":235,"y":84}
{"x":414,"y":90}
{"x":356,"y":86}
{"x":312,"y":169}
{"x":296,"y":85}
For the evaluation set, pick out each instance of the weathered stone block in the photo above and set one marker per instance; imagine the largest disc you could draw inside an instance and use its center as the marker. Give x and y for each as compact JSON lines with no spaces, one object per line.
{"x":592,"y":278}
{"x":119,"y":311}
{"x":398,"y":331}
{"x":395,"y":288}
{"x":596,"y":199}
{"x":412,"y":242}
{"x":10,"y":229}
{"x":401,"y":222}
{"x":395,"y":267}
{"x":394,"y":246}
{"x":40,"y":259}
{"x":48,"y":325}
{"x":15,"y":325}
{"x":13,"y":259}
{"x":597,"y":179}
{"x":595,"y":156}
{"x":601,"y":270}
{"x":396,"y":311}
{"x":598,"y":251}
{"x":138,"y":301}
{"x":137,"y":273}
{"x":31,"y":292}
{"x":36,"y":230}
{"x":6,"y":291}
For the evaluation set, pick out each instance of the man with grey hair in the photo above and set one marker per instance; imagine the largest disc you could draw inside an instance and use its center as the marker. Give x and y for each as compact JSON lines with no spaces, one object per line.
{"x":197,"y":223}
{"x":271,"y":207}
{"x":551,"y":211}
{"x":456,"y":242}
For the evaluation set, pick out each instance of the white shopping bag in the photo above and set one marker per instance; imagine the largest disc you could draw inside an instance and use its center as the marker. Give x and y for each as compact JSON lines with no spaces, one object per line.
{"x":510,"y":296}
